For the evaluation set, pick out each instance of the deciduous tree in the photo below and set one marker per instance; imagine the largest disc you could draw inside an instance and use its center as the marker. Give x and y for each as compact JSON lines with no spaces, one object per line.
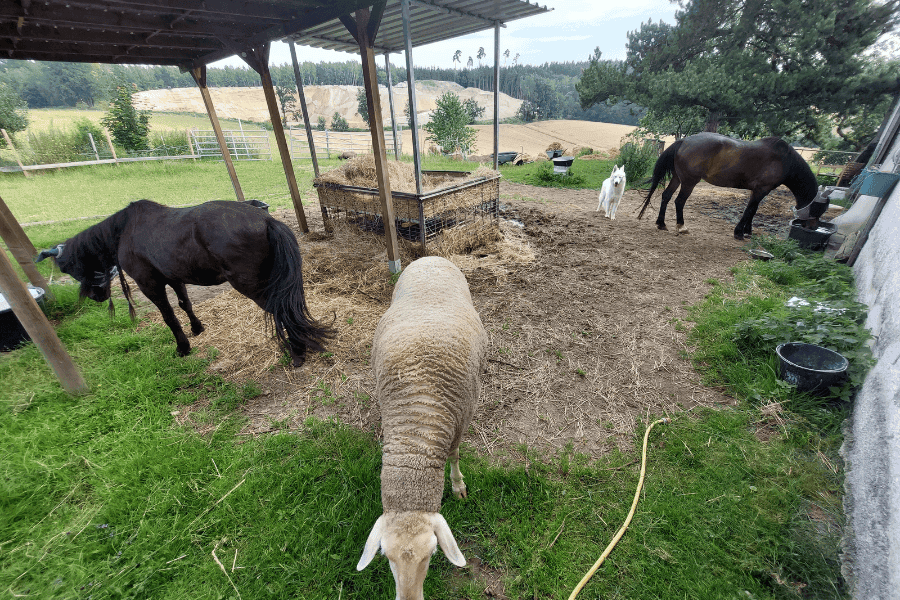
{"x":13,"y":112}
{"x":448,"y":127}
{"x":129,"y":127}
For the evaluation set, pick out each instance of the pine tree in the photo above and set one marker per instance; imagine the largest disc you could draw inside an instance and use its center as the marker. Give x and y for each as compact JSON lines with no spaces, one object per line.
{"x":767,"y":65}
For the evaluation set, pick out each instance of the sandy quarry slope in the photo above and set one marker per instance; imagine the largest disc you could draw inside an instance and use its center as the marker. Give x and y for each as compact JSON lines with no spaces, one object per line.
{"x":324,"y":100}
{"x":321,"y":100}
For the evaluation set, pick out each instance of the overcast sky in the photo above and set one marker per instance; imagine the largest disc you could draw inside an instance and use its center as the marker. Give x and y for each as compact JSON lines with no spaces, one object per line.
{"x":570,"y":32}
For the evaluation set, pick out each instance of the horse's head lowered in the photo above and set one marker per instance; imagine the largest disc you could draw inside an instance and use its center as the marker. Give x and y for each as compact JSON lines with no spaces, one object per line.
{"x":89,"y":270}
{"x":815,"y":209}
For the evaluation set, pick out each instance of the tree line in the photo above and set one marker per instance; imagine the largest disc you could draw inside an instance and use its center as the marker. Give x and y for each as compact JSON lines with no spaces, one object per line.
{"x":812,"y":72}
{"x":548,"y":89}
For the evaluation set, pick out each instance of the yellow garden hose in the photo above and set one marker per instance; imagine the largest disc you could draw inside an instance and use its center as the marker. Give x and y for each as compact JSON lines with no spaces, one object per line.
{"x":621,"y":532}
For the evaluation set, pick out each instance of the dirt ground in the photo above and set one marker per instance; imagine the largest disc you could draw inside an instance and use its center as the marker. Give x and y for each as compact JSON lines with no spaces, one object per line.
{"x":587,"y":319}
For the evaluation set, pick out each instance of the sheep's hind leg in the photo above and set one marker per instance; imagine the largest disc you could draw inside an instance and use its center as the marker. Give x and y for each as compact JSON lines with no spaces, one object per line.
{"x":456,"y":476}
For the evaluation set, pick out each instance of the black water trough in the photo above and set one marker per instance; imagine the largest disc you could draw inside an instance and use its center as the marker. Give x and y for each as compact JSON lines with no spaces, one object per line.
{"x":811,"y":239}
{"x":810,"y":367}
{"x":12,"y":334}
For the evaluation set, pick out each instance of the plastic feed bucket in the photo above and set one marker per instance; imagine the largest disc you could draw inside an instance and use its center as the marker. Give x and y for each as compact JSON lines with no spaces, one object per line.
{"x":810,"y":367}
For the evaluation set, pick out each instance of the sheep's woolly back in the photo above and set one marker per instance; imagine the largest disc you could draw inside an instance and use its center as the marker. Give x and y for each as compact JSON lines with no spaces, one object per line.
{"x":428,"y":353}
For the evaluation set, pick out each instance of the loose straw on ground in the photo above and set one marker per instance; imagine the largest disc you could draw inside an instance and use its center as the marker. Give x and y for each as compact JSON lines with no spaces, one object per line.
{"x":621,"y":532}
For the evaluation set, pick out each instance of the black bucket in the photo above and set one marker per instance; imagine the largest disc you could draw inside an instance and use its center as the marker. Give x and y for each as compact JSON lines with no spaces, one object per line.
{"x":505,"y":157}
{"x":258,"y":204}
{"x":811,"y":368}
{"x":12,"y":334}
{"x":551,"y":154}
{"x":811,"y":239}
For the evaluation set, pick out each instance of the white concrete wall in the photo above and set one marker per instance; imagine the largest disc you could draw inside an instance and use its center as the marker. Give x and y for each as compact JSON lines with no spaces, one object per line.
{"x":872,"y":444}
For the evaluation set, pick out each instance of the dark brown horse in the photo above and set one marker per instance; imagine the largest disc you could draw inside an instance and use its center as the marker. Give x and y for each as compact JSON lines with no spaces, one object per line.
{"x":206,"y":244}
{"x":759,"y":166}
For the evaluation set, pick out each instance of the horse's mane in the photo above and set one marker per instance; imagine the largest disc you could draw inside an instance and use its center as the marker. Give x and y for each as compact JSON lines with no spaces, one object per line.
{"x":95,"y":248}
{"x":798,"y":177}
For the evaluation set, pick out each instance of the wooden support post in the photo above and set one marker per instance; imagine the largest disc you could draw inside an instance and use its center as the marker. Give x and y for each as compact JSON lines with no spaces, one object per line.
{"x":365,"y":36}
{"x":111,"y":147}
{"x":258,"y":59}
{"x":199,"y":75}
{"x":15,"y":152}
{"x":187,"y":133}
{"x":21,"y":248}
{"x":38,"y":328}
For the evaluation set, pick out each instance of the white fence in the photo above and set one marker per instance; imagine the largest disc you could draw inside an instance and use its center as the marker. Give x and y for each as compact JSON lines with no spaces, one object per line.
{"x":330,"y":144}
{"x":243,"y":144}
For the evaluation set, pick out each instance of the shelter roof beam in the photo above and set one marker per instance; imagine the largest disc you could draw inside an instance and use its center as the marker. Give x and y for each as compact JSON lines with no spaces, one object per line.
{"x":454,"y":11}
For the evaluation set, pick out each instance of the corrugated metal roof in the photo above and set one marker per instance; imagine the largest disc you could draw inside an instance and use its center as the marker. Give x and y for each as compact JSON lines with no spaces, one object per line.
{"x":189,"y":33}
{"x":430,"y":21}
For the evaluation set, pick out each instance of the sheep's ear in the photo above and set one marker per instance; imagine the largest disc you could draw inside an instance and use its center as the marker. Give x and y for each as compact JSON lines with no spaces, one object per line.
{"x":372,"y":544}
{"x":446,"y":540}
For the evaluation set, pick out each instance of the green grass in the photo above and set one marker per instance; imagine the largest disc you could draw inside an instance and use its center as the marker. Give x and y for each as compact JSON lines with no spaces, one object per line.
{"x":584,"y":174}
{"x":106,"y":496}
{"x":45,"y":119}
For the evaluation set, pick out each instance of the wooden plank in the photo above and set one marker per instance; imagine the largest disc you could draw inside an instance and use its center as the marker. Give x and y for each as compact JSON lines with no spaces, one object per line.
{"x":370,"y":79}
{"x":38,"y":328}
{"x":199,"y":75}
{"x":281,"y":141}
{"x":21,"y":248}
{"x":15,"y":152}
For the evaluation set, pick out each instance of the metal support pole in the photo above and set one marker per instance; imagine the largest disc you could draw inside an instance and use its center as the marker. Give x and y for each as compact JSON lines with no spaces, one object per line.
{"x":309,"y":134}
{"x":411,"y":85}
{"x":496,"y":95}
{"x":390,"y":91}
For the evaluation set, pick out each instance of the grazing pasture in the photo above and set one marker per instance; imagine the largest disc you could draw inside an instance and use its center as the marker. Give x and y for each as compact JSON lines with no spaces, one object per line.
{"x":228,"y":473}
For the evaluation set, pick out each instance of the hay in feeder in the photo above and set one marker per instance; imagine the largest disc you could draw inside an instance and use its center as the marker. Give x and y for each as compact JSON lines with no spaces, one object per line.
{"x":360,"y":172}
{"x":335,"y":190}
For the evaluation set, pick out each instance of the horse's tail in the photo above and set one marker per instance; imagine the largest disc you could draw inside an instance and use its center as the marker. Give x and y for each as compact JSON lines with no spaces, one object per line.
{"x":285,"y":303}
{"x":663,"y":169}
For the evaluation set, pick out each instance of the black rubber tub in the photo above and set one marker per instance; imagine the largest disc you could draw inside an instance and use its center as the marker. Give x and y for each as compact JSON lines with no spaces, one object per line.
{"x":505,"y":157}
{"x":811,"y":239}
{"x":810,"y":367}
{"x":258,"y":204}
{"x":12,"y":334}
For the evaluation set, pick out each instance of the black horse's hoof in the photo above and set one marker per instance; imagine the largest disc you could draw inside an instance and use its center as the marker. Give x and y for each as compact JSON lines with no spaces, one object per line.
{"x":662,"y":227}
{"x":739,"y":237}
{"x":198,"y":330}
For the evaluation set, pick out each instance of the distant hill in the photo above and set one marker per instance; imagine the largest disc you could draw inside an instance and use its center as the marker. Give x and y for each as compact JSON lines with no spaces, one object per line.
{"x":248,"y":103}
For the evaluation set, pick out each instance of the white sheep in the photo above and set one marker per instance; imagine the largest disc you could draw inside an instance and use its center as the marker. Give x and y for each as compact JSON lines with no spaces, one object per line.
{"x":428,"y":354}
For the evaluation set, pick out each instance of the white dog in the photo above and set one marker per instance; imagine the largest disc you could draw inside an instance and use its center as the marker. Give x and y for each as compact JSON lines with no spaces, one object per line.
{"x":611,"y":191}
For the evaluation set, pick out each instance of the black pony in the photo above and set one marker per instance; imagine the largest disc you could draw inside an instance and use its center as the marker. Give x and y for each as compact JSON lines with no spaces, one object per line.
{"x":759,"y":166}
{"x":207,"y":244}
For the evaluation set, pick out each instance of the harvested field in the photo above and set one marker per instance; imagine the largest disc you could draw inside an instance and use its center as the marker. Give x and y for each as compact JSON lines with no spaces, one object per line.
{"x":587,"y":320}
